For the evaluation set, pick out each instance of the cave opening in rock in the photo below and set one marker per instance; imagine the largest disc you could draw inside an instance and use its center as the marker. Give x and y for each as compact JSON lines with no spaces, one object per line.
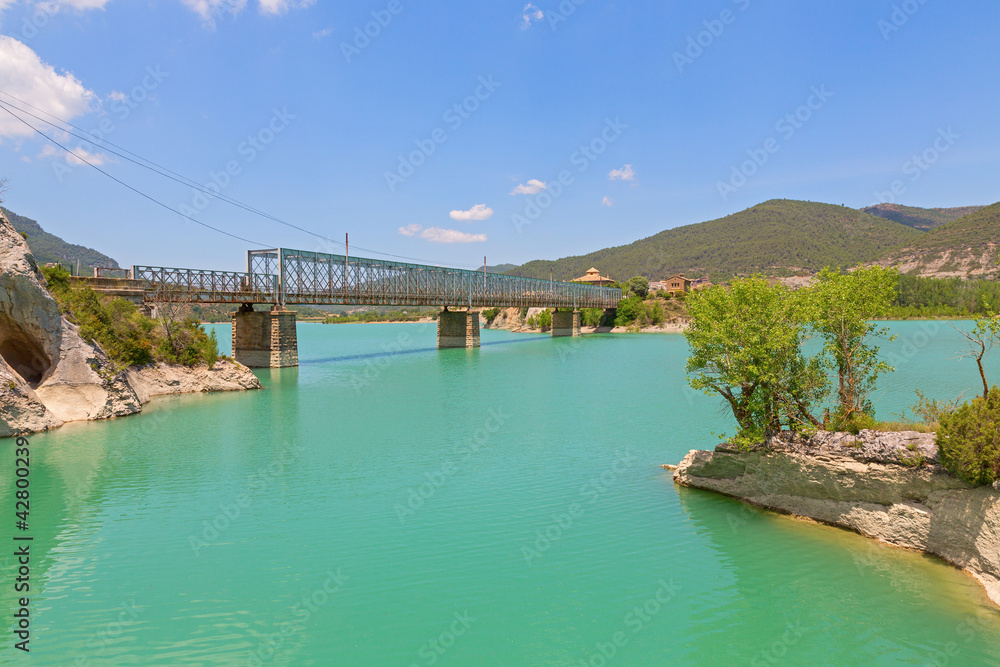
{"x":22,"y":352}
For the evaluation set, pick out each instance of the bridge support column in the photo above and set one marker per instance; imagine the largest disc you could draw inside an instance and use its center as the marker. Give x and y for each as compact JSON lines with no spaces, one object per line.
{"x":565,"y":323}
{"x":458,"y":328}
{"x":265,"y":340}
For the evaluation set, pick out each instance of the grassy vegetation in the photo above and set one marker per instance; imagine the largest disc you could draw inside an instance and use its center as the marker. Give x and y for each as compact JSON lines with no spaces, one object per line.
{"x":924,"y":219}
{"x":127,"y":336}
{"x":778,"y":237}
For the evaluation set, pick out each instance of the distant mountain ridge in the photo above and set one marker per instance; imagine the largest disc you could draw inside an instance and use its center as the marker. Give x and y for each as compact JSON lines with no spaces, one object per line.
{"x":778,"y":237}
{"x":924,"y":219}
{"x":967,"y":247}
{"x":48,"y":248}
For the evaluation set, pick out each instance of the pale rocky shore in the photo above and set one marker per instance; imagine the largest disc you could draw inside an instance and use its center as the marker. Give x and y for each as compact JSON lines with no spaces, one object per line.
{"x":511,"y":320}
{"x":50,"y":375}
{"x":887,"y":486}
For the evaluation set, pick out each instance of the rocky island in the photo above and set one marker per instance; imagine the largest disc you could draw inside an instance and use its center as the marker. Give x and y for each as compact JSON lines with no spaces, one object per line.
{"x":886,"y":486}
{"x":49,"y":374}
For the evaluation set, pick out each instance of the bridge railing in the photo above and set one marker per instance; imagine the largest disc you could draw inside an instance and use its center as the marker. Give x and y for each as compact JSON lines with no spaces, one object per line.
{"x":109,"y":272}
{"x":202,"y":286}
{"x":318,"y":278}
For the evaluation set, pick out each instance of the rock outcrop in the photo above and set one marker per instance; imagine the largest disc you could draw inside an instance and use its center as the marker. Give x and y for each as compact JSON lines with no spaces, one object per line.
{"x":887,"y":486}
{"x":50,"y":375}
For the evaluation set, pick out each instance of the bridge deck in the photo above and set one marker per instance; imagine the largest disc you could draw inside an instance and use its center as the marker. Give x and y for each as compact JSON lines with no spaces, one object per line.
{"x":289,"y":277}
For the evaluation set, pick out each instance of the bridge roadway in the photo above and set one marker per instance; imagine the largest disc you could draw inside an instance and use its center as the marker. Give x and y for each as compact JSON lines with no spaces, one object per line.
{"x":283,"y":277}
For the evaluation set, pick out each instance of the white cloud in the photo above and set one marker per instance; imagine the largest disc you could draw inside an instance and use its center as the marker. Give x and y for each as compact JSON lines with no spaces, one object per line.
{"x":410,"y":230}
{"x":439,"y":235}
{"x":532,"y":187}
{"x":209,"y":10}
{"x":279,"y":7}
{"x":529,"y":15}
{"x":477,"y":212}
{"x":81,"y":157}
{"x":320,"y":35}
{"x":24,"y":75}
{"x":626,"y":173}
{"x":608,"y":202}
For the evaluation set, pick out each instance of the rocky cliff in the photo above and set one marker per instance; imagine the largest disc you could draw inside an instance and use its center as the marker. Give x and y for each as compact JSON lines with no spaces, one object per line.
{"x":50,"y":375}
{"x":888,"y":486}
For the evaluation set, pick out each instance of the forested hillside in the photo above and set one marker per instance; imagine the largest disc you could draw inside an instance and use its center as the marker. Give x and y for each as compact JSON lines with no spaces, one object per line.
{"x":924,"y":219}
{"x":966,"y":247}
{"x":778,"y":237}
{"x":49,"y":248}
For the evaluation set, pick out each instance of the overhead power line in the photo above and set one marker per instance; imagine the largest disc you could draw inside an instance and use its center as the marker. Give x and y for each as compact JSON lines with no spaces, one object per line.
{"x":150,"y":165}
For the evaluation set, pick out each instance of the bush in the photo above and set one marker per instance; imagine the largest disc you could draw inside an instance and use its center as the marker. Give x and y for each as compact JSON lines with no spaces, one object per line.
{"x":969,"y":440}
{"x":491,"y":314}
{"x":591,"y":317}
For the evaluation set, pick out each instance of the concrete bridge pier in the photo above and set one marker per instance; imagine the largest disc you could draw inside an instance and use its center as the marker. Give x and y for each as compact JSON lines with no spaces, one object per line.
{"x":458,"y":328}
{"x":565,"y":323}
{"x":265,"y":339}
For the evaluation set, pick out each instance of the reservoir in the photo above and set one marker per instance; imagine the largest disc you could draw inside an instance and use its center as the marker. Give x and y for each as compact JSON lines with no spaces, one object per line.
{"x":387,"y":503}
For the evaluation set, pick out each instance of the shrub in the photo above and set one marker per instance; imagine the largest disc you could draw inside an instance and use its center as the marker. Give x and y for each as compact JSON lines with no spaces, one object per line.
{"x":969,"y":440}
{"x":591,"y":317}
{"x":491,"y":314}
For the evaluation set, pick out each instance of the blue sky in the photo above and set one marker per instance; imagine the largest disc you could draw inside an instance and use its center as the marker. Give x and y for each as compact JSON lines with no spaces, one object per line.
{"x":577,"y":126}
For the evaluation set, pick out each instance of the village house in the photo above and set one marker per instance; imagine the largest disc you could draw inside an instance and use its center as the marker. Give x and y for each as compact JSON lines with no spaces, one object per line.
{"x":673,"y":285}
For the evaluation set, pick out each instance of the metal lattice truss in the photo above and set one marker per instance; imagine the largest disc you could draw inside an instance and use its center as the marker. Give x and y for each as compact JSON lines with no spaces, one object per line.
{"x":197,"y":286}
{"x":288,"y":276}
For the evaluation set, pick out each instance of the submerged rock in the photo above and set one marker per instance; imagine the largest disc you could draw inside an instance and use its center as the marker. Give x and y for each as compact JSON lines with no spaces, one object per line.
{"x":887,"y":486}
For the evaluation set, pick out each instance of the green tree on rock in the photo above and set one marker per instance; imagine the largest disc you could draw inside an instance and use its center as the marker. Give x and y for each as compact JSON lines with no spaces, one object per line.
{"x":841,"y":309}
{"x":746,"y":346}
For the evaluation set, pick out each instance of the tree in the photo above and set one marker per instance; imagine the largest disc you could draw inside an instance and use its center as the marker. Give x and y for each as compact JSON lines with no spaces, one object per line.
{"x":841,"y":309}
{"x":639,"y":286}
{"x":746,"y":346}
{"x":3,"y":188}
{"x":982,"y":338}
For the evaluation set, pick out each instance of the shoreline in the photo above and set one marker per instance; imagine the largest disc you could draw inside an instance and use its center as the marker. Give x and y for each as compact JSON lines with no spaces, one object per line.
{"x":867,"y":484}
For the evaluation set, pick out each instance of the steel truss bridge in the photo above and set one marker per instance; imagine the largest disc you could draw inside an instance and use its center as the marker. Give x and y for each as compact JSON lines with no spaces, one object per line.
{"x":284,"y":276}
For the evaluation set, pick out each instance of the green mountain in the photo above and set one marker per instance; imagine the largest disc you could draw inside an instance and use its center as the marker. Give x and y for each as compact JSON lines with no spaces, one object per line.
{"x":924,"y":219}
{"x":501,"y":268}
{"x":965,"y":247}
{"x":778,"y":237}
{"x":49,"y":248}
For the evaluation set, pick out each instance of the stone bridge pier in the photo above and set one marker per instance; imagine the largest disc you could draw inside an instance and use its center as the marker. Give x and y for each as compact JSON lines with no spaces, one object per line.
{"x":458,"y":328}
{"x":565,"y":323}
{"x":265,"y":339}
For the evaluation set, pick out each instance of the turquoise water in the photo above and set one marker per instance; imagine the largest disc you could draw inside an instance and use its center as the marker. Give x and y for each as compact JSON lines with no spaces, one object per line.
{"x":391,"y":504}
